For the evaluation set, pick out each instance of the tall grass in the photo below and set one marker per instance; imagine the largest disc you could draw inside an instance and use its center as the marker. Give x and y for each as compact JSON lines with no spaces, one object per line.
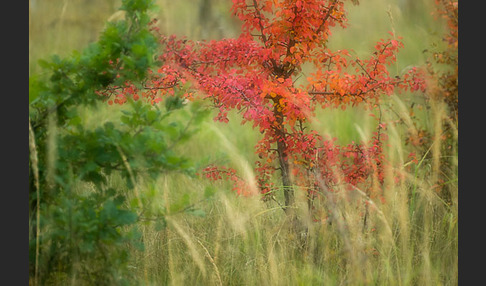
{"x":410,"y":238}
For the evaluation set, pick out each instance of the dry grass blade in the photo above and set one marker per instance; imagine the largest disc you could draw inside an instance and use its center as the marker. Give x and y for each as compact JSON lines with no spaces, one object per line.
{"x":190,"y":245}
{"x":208,"y":255}
{"x":132,"y":176}
{"x":35,"y":170}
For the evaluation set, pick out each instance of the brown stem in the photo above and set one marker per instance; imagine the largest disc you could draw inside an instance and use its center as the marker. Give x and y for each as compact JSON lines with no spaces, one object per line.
{"x":282,"y":156}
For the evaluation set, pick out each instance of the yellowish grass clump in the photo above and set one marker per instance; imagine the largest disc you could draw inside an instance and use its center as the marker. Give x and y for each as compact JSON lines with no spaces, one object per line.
{"x":409,"y":239}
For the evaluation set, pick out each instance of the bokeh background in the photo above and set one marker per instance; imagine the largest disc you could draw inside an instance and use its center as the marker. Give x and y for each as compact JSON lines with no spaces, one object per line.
{"x":60,"y":26}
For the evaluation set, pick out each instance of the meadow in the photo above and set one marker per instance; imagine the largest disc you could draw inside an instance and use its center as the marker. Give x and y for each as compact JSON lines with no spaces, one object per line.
{"x":408,"y":238}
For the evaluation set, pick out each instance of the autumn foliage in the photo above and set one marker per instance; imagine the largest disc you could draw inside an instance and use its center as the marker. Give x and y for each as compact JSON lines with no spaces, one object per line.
{"x":259,"y":74}
{"x":441,"y":99}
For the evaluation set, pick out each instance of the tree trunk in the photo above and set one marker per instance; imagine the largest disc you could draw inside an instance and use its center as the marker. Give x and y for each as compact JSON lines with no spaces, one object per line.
{"x":282,"y":157}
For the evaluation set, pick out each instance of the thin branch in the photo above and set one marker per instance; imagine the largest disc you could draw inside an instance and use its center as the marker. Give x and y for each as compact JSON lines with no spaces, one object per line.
{"x":358,"y":94}
{"x":358,"y":61}
{"x":263,"y":36}
{"x":260,"y":23}
{"x":324,"y":20}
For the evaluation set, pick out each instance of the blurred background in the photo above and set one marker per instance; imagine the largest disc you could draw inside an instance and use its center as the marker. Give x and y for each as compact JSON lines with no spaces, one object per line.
{"x":60,"y":26}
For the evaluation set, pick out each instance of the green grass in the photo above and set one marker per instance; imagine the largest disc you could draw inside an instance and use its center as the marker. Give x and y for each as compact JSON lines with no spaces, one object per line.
{"x":411,"y":239}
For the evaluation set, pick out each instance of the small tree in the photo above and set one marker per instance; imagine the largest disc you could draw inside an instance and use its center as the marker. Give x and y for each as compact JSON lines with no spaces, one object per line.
{"x":79,"y":221}
{"x":256,"y":74}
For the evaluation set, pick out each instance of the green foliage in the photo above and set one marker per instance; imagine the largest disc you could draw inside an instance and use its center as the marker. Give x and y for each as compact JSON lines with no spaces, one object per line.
{"x":86,"y":237}
{"x":124,"y":52}
{"x":146,"y":138}
{"x":84,"y":222}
